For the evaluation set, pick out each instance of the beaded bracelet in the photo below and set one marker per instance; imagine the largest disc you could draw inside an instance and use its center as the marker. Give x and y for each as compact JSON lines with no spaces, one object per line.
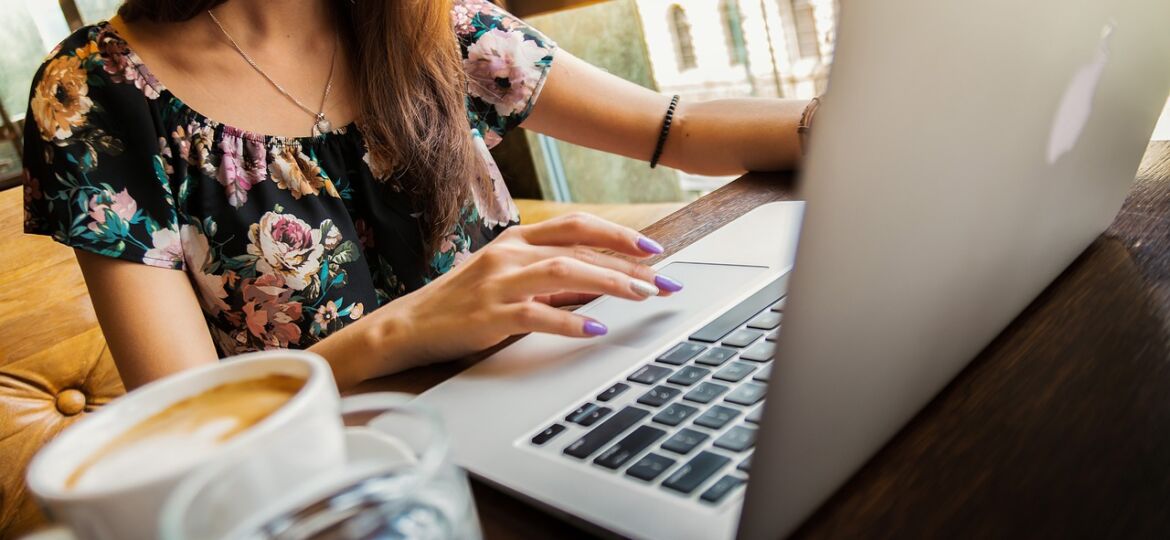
{"x":666,"y":121}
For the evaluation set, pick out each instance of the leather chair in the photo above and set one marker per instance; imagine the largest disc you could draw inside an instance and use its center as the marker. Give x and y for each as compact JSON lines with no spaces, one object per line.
{"x":55,"y":367}
{"x":54,"y":364}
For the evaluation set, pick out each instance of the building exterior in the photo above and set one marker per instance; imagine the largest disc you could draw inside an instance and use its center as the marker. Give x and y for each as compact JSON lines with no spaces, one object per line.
{"x":704,"y":49}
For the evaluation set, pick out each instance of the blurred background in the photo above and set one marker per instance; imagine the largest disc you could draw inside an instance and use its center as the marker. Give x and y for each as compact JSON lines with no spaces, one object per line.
{"x":696,"y":48}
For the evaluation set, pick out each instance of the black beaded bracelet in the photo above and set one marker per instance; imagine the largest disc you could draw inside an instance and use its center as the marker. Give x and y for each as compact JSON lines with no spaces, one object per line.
{"x":665,"y":132}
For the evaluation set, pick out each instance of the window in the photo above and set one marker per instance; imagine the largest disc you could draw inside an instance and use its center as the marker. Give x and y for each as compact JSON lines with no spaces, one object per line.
{"x":804,"y":24}
{"x":733,"y":29}
{"x":683,"y":45}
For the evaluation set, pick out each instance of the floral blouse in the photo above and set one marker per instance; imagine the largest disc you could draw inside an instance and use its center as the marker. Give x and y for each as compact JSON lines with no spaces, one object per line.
{"x":285,"y":239}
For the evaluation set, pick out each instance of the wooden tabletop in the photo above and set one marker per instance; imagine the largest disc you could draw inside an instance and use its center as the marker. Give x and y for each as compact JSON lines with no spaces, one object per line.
{"x":1059,"y":428}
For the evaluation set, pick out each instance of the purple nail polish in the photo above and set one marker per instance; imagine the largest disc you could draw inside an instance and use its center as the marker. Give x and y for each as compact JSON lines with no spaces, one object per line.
{"x":667,"y":284}
{"x":594,"y":328}
{"x":649,"y":246}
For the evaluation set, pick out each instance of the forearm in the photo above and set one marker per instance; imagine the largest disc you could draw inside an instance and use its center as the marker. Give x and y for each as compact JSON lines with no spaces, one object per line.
{"x":584,"y":105}
{"x":731,"y":136}
{"x":372,"y":347}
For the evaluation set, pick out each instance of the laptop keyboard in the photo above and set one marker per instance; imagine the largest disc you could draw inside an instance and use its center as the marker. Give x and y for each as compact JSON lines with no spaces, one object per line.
{"x":685,"y":421}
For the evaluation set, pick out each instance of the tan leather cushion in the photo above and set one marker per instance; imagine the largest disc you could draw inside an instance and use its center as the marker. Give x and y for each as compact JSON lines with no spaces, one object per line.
{"x":54,"y":365}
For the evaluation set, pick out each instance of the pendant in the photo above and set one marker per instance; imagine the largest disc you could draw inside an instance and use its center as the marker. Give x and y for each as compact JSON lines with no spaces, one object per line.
{"x":322,"y":126}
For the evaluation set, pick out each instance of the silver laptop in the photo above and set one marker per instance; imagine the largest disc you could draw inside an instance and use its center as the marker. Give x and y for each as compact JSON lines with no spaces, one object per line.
{"x":965,"y":154}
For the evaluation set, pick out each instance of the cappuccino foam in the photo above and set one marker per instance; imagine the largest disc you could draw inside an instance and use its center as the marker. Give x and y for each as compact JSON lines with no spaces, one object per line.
{"x":184,"y":433}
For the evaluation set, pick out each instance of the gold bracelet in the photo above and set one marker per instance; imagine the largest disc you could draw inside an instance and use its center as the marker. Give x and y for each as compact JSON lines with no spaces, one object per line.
{"x":805,"y":125}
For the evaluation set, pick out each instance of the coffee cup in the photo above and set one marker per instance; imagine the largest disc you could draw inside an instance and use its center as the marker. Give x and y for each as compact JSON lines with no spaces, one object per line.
{"x":119,"y":494}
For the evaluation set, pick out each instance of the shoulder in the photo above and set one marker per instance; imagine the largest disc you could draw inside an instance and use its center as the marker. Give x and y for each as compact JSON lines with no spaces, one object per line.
{"x":90,"y":79}
{"x":506,"y":62}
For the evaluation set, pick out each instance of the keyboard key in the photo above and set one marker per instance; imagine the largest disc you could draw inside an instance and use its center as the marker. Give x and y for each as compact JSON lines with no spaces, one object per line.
{"x":705,"y":392}
{"x":742,"y":338}
{"x":591,"y":417}
{"x":650,"y":467}
{"x":736,"y":316}
{"x":735,"y":372}
{"x":684,"y":441}
{"x":630,"y":446}
{"x":675,"y":414}
{"x":754,"y":416}
{"x":688,"y":375}
{"x":715,"y":356}
{"x":612,"y":392}
{"x":659,"y":395}
{"x":760,"y":352}
{"x":581,"y":411}
{"x":695,"y":472}
{"x":680,"y":353}
{"x":721,"y":488}
{"x":768,"y":320}
{"x":716,"y":417}
{"x":763,"y":374}
{"x":779,"y":306}
{"x":747,"y":394}
{"x":649,"y":374}
{"x":737,"y":439}
{"x":773,"y":335}
{"x":548,"y":434}
{"x":605,"y":432}
{"x":746,"y":464}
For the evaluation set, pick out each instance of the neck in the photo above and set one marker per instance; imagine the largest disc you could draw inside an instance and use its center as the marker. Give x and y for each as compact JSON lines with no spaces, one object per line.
{"x":260,"y":22}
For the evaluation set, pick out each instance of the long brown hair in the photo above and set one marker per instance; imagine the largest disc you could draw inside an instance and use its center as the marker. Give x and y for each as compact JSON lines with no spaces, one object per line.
{"x":411,"y":90}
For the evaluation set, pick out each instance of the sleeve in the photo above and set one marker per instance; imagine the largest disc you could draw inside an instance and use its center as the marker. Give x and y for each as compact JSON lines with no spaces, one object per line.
{"x":95,"y":176}
{"x":506,"y":62}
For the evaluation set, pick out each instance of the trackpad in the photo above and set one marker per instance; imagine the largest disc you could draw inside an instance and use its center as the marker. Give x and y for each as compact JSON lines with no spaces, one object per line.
{"x":638,"y":324}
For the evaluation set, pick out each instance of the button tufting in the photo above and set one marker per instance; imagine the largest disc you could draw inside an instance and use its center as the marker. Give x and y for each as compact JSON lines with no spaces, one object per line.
{"x":70,"y":402}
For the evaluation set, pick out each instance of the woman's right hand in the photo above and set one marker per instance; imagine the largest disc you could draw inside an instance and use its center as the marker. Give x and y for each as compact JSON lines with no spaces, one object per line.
{"x":510,"y":286}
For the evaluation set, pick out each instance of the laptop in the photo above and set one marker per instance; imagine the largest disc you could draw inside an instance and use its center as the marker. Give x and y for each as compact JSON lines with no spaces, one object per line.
{"x":965,"y":154}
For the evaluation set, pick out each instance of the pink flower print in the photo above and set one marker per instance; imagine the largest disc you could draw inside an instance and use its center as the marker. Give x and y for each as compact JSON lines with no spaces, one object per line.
{"x":197,"y":253}
{"x":167,"y":249}
{"x":270,"y":315}
{"x":491,"y":138}
{"x":464,"y":11}
{"x":104,"y":205}
{"x":241,"y":167}
{"x":502,"y":70}
{"x":326,"y":314}
{"x":494,"y":202}
{"x":460,"y":256}
{"x":124,"y":66}
{"x":286,"y":246}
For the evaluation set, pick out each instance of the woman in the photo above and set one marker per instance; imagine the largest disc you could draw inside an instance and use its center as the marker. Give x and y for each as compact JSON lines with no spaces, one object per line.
{"x":314,"y":174}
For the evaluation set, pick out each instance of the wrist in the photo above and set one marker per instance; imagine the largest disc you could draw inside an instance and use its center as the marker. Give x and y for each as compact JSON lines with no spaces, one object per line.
{"x":366,"y":349}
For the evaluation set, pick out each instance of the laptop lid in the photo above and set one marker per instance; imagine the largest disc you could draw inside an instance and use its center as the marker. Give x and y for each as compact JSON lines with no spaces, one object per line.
{"x":965,"y":154}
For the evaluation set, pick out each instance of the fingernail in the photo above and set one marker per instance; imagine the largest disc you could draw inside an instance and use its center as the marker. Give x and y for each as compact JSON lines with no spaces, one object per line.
{"x":649,"y":246}
{"x":642,"y":288}
{"x":594,"y":328}
{"x":667,"y":284}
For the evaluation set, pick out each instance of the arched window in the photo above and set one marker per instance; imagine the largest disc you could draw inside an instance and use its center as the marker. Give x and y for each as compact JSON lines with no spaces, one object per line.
{"x":804,"y":43}
{"x":684,"y":47}
{"x":733,"y":30}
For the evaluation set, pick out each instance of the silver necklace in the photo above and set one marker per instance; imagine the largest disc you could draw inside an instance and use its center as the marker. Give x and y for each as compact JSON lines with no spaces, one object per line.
{"x":320,"y":124}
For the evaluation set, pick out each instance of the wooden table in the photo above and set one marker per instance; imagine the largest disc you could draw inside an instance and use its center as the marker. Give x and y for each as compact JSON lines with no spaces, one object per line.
{"x":1059,"y":428}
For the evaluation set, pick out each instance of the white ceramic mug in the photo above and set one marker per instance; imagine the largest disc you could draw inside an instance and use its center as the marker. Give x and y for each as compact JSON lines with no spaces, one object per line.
{"x":303,"y":438}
